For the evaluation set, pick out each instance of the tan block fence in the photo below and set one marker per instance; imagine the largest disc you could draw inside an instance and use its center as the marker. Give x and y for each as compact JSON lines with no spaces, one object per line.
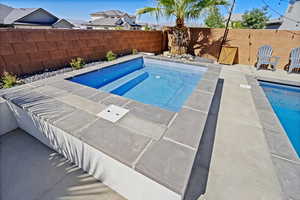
{"x":206,"y":43}
{"x":27,"y":50}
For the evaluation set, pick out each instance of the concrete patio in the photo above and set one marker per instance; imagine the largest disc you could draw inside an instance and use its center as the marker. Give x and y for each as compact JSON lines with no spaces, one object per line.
{"x":30,"y":170}
{"x":242,"y":165}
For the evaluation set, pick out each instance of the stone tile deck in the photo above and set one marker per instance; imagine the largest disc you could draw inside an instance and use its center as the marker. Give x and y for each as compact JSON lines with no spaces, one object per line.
{"x":139,"y":140}
{"x":30,"y":170}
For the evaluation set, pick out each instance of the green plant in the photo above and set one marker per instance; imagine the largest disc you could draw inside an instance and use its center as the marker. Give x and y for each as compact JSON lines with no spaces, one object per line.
{"x":9,"y":80}
{"x":147,"y":28}
{"x":77,"y":63}
{"x":134,"y":51}
{"x":214,"y":18}
{"x":237,"y":25}
{"x":110,"y":56}
{"x":119,"y":28}
{"x":255,"y":19}
{"x":181,"y":10}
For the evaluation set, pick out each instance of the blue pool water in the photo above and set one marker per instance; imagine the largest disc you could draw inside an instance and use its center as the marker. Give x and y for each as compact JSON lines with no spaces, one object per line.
{"x":285,"y":101}
{"x":159,"y":83}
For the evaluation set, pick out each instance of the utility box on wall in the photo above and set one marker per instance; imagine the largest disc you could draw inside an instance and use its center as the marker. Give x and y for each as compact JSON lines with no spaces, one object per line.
{"x":228,"y":55}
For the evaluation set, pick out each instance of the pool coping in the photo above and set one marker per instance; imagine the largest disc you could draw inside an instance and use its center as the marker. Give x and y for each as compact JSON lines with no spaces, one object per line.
{"x":198,"y":104}
{"x":283,"y":155}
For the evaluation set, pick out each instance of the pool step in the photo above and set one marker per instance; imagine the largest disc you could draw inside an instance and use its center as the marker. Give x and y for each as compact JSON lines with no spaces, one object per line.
{"x":121,"y":81}
{"x":130,"y":84}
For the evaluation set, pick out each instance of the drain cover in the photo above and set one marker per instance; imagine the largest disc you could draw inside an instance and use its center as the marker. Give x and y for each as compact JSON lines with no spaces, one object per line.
{"x":113,"y":113}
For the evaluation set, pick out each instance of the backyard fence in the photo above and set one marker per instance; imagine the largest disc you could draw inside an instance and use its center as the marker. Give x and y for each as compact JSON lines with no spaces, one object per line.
{"x":206,"y":43}
{"x":27,"y":51}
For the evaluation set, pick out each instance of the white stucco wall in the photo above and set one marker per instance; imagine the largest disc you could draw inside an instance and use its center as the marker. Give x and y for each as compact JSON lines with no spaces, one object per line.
{"x":7,"y":119}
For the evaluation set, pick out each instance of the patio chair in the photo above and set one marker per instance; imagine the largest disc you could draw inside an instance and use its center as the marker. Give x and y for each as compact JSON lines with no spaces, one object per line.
{"x":295,"y":59}
{"x":264,"y":57}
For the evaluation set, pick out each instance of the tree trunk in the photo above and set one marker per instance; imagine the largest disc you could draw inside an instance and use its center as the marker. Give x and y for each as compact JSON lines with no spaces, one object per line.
{"x":179,"y":38}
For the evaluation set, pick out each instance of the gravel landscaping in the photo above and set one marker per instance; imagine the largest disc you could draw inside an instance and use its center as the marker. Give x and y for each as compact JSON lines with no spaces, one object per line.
{"x":29,"y":78}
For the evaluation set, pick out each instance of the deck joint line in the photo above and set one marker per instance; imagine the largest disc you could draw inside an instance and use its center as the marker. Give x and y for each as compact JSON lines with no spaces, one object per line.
{"x":194,"y":109}
{"x":141,"y":154}
{"x":286,"y":159}
{"x":172,"y":120}
{"x":179,"y":143}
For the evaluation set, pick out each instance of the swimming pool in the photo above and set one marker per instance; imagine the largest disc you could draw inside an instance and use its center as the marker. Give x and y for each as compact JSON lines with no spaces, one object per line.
{"x":285,"y":101}
{"x":159,"y":83}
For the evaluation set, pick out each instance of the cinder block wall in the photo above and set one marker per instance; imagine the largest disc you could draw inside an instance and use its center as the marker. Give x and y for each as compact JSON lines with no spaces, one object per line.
{"x":26,"y":51}
{"x":206,"y":43}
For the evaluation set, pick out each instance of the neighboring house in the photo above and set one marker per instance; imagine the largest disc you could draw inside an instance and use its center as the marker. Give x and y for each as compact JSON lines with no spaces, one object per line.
{"x":113,"y":19}
{"x":35,"y":18}
{"x":26,"y":17}
{"x":291,"y":19}
{"x":274,"y":23}
{"x":70,"y":24}
{"x":235,"y":20}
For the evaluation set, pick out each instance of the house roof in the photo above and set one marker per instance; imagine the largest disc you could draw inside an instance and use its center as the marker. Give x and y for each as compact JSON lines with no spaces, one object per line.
{"x":235,"y":17}
{"x":275,"y":21}
{"x":18,"y":13}
{"x":77,"y":22}
{"x":110,"y":13}
{"x":291,"y":20}
{"x":9,"y":15}
{"x":63,"y":20}
{"x":4,"y":12}
{"x":106,"y":22}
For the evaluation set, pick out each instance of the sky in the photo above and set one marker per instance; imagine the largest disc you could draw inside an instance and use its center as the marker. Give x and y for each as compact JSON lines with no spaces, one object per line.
{"x":80,"y":9}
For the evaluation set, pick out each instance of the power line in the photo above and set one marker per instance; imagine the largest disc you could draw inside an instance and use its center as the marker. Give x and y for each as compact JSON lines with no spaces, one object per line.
{"x":281,"y":15}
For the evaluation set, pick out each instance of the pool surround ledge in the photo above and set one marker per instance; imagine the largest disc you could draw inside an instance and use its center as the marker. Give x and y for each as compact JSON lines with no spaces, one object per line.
{"x":284,"y":157}
{"x":153,"y":149}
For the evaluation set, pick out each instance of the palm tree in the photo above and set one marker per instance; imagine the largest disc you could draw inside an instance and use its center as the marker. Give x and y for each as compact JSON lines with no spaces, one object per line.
{"x":182,"y":10}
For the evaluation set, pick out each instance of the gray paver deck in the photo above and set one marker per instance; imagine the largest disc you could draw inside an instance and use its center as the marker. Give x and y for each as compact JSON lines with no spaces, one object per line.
{"x":30,"y":170}
{"x":75,"y":121}
{"x":199,"y":101}
{"x":82,"y":103}
{"x":143,"y":127}
{"x":115,"y":100}
{"x":150,"y":113}
{"x":169,"y":169}
{"x":186,"y":126}
{"x":117,"y":142}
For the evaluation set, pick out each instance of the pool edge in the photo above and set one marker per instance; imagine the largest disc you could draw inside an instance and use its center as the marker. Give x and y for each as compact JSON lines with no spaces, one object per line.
{"x":286,"y":166}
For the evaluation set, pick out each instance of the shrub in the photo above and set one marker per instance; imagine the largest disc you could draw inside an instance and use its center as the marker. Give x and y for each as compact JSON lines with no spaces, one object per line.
{"x":9,"y":80}
{"x":110,"y":56}
{"x":134,"y":51}
{"x":77,"y":63}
